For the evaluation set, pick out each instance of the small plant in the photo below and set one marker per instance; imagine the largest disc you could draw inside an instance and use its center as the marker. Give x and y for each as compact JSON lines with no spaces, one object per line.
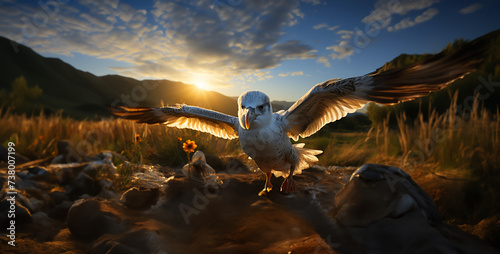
{"x":189,"y":147}
{"x":125,"y":171}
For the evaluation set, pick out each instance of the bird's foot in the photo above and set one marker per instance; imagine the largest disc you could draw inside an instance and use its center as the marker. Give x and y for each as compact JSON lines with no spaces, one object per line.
{"x":288,"y":185}
{"x":265,"y":191}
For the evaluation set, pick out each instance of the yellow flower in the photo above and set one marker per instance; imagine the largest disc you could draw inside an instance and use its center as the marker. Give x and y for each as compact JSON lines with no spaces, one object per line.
{"x":179,"y":139}
{"x":189,"y":146}
{"x":138,"y":138}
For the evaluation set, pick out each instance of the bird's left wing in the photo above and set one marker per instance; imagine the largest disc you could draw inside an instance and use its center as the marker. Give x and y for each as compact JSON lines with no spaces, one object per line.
{"x":182,"y":116}
{"x":331,"y":100}
{"x":324,"y":103}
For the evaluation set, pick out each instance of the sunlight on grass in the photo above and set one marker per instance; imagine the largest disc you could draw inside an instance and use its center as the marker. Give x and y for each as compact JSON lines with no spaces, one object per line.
{"x":36,"y":137}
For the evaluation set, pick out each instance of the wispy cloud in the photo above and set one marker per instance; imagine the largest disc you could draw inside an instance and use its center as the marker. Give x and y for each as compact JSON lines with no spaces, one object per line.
{"x":408,"y":22}
{"x":295,"y":73}
{"x":313,"y":2}
{"x":325,"y":25}
{"x":171,"y":39}
{"x":324,"y":60}
{"x":343,"y":49}
{"x":471,"y":8}
{"x":385,"y":10}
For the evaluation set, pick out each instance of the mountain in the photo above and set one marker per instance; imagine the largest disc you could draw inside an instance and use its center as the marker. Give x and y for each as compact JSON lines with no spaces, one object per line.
{"x":81,"y":94}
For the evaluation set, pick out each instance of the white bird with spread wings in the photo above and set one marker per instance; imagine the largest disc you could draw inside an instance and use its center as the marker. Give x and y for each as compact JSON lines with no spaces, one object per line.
{"x":265,"y":136}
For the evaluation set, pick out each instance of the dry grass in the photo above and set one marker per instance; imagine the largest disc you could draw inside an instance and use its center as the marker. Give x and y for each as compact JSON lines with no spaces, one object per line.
{"x":36,"y":137}
{"x":468,"y":140}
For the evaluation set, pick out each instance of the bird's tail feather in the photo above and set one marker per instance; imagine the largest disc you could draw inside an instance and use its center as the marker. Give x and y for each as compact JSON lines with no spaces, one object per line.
{"x":306,"y":157}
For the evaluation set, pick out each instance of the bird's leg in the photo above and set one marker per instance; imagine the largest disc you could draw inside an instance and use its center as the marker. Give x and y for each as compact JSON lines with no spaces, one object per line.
{"x":269,"y":186}
{"x":289,"y":184}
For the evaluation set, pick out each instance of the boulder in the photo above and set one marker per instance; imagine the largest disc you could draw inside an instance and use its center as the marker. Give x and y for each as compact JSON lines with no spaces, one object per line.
{"x":66,"y":173}
{"x":236,"y":166}
{"x":138,"y":241}
{"x":140,"y":198}
{"x":91,"y":218}
{"x":382,"y":210}
{"x":22,"y":214}
{"x":84,"y":184}
{"x":60,"y":211}
{"x":200,"y":171}
{"x":69,"y":151}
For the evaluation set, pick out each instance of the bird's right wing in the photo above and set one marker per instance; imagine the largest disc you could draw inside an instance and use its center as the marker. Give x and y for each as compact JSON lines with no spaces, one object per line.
{"x":182,"y":116}
{"x":333,"y":99}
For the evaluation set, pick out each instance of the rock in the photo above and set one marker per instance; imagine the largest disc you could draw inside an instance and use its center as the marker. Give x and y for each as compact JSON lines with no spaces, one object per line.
{"x":25,"y":202}
{"x":70,"y":153}
{"x":3,"y":180}
{"x":3,"y":153}
{"x":60,"y":211}
{"x":140,"y":198}
{"x":133,"y":242}
{"x":20,"y":159}
{"x":91,"y":218}
{"x":58,"y":197}
{"x":66,"y":173}
{"x":236,"y":166}
{"x":84,"y":184}
{"x":215,"y":162}
{"x":37,"y":173}
{"x":199,"y":171}
{"x":113,"y":247}
{"x":487,"y":229}
{"x":107,"y":190}
{"x":22,"y":214}
{"x":59,"y":159}
{"x":383,"y":191}
{"x":382,"y":210}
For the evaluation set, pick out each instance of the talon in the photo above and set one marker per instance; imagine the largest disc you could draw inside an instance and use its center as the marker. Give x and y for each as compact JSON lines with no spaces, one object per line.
{"x":268,"y":187}
{"x":288,"y":185}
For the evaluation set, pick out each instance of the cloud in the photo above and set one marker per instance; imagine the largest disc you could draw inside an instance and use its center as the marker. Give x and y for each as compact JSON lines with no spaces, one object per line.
{"x":345,"y":34}
{"x":325,"y":25}
{"x":324,"y":60}
{"x":313,"y":2}
{"x":471,"y":8}
{"x":408,"y":22}
{"x":385,"y":10}
{"x":342,"y":50}
{"x":319,"y":26}
{"x":295,"y":73}
{"x":170,"y":39}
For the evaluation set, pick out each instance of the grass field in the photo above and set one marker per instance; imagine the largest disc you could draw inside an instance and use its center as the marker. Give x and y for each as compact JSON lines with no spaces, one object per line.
{"x":453,"y":145}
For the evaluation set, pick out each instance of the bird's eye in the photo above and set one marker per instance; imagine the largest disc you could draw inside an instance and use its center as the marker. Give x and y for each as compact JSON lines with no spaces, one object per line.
{"x":260,"y":108}
{"x":243,"y":106}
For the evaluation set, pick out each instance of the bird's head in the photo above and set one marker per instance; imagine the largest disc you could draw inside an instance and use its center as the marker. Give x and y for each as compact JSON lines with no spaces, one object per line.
{"x":254,"y":110}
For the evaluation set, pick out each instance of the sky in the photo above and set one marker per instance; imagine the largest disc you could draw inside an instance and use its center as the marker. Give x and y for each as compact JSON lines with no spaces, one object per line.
{"x":280,"y":47}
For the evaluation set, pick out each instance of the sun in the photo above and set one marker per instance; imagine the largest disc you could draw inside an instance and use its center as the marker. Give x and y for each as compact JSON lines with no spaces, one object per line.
{"x":201,"y":85}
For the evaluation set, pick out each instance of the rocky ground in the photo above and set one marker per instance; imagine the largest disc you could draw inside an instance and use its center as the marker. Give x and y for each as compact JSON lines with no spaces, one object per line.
{"x":84,"y":207}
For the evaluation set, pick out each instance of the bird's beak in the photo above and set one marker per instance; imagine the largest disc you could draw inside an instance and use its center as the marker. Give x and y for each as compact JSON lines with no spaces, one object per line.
{"x":247,"y":123}
{"x":249,"y":117}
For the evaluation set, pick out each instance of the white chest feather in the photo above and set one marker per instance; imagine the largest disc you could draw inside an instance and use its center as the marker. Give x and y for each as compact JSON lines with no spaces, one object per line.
{"x":269,"y":147}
